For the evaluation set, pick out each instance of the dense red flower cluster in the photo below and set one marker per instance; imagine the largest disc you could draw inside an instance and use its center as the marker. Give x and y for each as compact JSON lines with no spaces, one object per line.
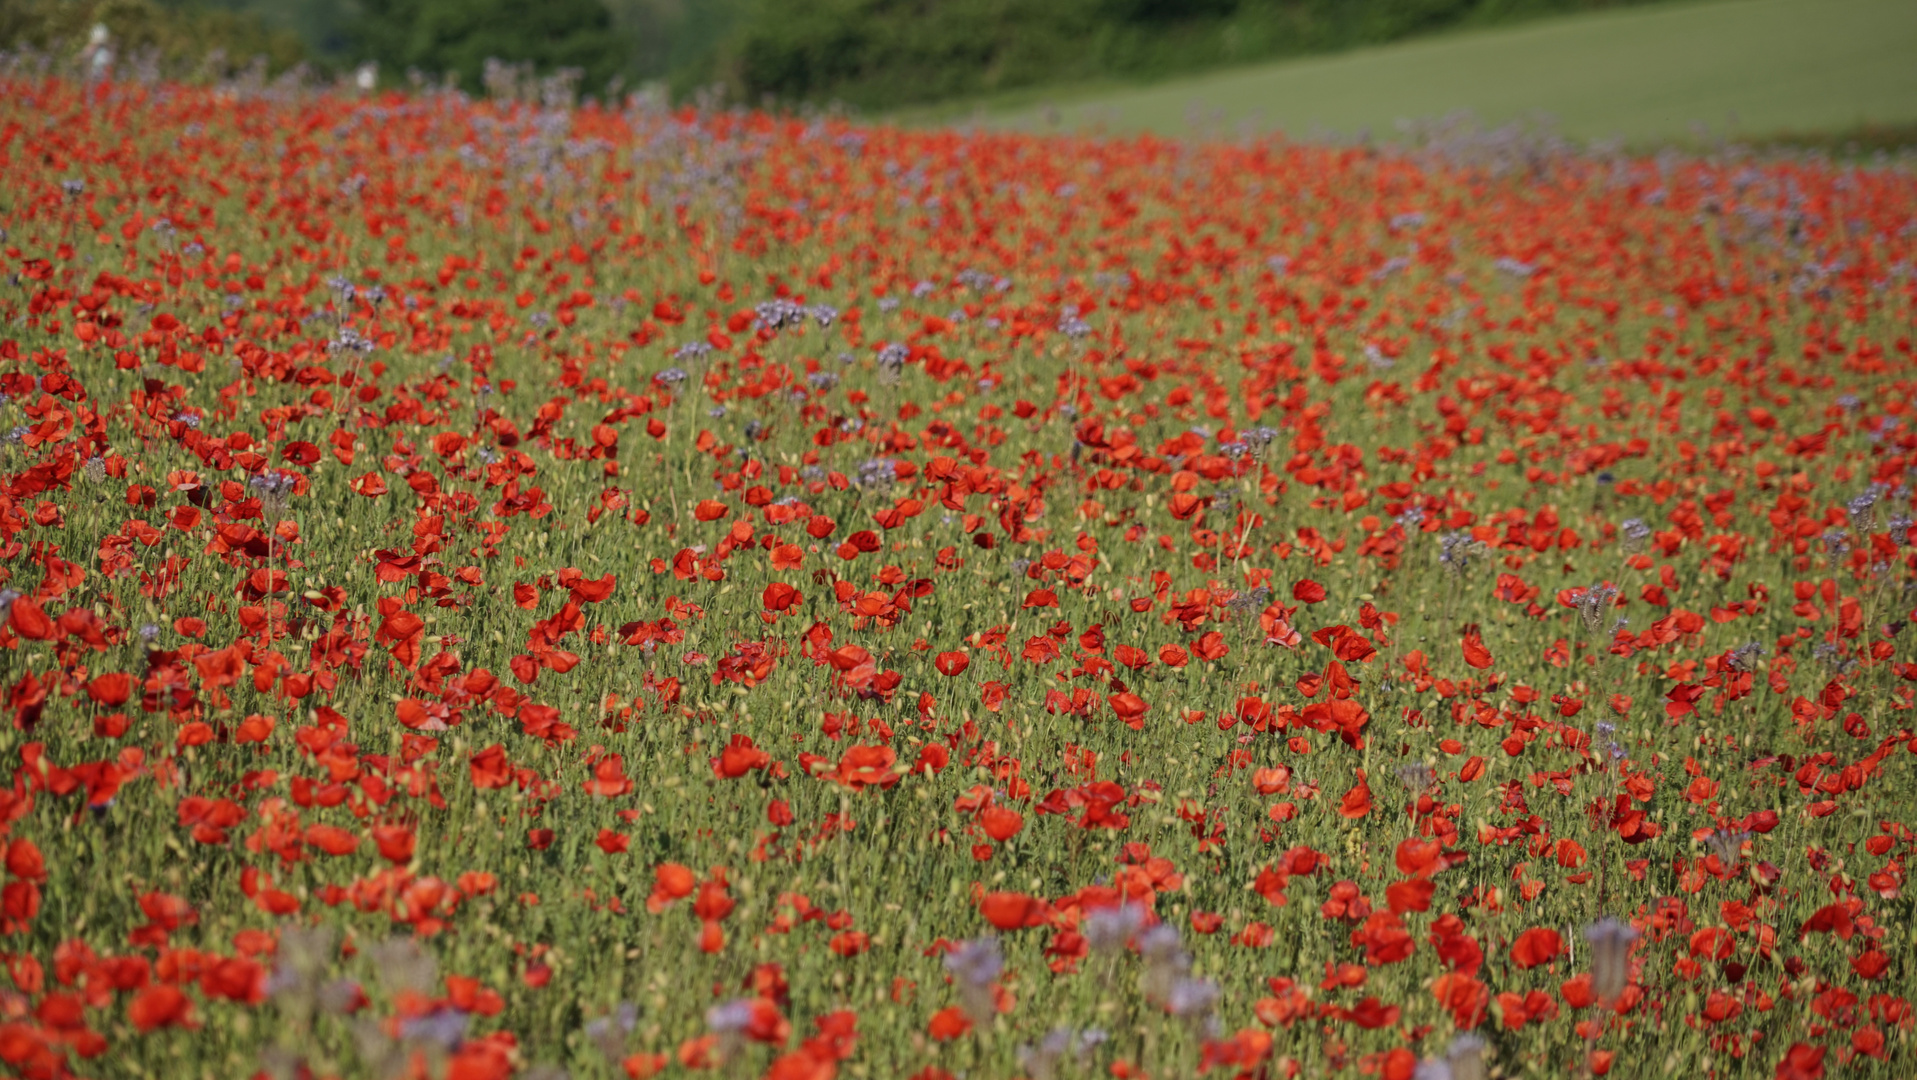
{"x":470,"y":566}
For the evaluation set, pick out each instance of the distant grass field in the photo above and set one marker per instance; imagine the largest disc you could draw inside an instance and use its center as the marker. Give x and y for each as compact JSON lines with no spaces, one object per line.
{"x":1744,"y":68}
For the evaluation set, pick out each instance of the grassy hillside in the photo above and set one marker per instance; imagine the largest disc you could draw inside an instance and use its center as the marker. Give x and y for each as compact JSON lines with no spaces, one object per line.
{"x":886,"y":53}
{"x":1751,"y":68}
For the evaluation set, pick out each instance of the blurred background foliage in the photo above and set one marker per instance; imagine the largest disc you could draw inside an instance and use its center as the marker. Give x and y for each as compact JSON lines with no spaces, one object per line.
{"x":457,"y":37}
{"x":867,"y":53}
{"x":216,"y":41}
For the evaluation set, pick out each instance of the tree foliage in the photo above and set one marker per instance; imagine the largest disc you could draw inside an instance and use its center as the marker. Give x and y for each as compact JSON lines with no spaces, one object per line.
{"x":181,"y":39}
{"x":459,"y":36}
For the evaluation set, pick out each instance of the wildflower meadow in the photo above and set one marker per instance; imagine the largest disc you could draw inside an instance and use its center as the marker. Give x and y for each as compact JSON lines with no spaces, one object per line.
{"x":513,"y":588}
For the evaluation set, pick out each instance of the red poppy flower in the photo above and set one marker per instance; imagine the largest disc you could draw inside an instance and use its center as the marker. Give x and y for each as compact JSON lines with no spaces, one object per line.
{"x":160,"y":1006}
{"x":1013,"y":911}
{"x":948,"y":1023}
{"x":29,"y":621}
{"x":1000,"y":823}
{"x":1475,"y":654}
{"x":1356,"y":802}
{"x":1536,"y":946}
{"x":670,"y":882}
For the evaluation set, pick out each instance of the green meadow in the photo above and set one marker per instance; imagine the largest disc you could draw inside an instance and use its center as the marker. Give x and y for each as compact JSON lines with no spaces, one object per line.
{"x":1732,"y":68}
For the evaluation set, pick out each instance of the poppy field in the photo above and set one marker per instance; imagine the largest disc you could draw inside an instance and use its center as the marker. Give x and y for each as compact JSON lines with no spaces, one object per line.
{"x":507,"y":588}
